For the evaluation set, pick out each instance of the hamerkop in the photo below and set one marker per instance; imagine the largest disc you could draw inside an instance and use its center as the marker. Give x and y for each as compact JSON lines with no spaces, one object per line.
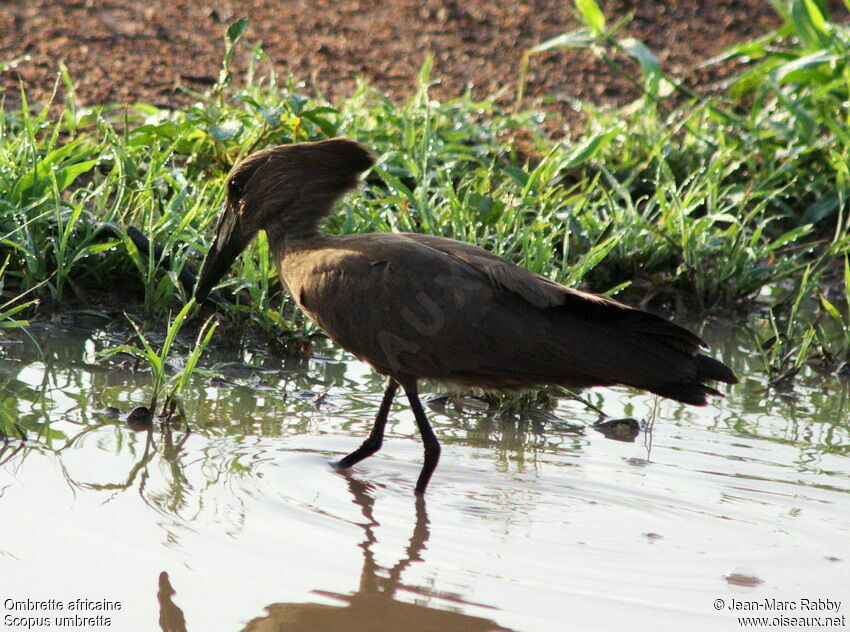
{"x":422,"y":307}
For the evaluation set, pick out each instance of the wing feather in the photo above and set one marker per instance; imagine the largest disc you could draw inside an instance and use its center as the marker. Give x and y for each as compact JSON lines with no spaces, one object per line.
{"x":421,"y":306}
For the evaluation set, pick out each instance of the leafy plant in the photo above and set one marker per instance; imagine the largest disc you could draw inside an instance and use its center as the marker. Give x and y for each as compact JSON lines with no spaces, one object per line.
{"x":839,"y":345}
{"x":171,"y":386}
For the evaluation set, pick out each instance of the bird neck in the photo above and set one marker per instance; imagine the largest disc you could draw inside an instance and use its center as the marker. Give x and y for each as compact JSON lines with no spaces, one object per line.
{"x":291,"y":251}
{"x":299,"y":222}
{"x":286,"y":242}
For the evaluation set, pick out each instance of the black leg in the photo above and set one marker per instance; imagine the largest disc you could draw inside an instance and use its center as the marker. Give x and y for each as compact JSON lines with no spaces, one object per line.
{"x":376,"y":437}
{"x":429,"y":439}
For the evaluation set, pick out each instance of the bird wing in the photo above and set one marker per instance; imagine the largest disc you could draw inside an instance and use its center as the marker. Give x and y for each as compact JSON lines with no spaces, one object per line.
{"x":390,"y":301}
{"x":543,"y":293}
{"x":414,"y":306}
{"x":535,"y":289}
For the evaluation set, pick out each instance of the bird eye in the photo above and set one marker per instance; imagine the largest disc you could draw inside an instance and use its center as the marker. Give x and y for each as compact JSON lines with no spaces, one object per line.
{"x":234,"y":187}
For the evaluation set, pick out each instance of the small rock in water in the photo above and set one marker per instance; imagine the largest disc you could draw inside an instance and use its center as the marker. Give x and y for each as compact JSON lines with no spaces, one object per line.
{"x":141,"y":415}
{"x":744,"y":579}
{"x":623,"y":429}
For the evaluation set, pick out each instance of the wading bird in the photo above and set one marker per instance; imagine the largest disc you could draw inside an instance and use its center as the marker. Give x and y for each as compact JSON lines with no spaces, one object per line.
{"x":417,"y":306}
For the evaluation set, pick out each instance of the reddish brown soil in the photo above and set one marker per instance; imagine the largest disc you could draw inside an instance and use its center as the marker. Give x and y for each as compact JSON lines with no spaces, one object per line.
{"x":125,"y":51}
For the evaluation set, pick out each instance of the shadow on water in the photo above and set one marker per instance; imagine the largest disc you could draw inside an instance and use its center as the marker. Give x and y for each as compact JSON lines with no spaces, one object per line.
{"x":373,"y":606}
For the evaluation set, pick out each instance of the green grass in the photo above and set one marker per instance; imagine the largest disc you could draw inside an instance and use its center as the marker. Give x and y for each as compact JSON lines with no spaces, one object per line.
{"x":171,"y":385}
{"x":707,"y":202}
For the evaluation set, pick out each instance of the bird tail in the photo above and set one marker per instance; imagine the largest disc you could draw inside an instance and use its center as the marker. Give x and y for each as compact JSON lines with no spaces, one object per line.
{"x":696,"y":392}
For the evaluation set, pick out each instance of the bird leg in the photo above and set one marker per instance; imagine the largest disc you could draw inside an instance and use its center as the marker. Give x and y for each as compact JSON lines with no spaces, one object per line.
{"x":429,"y":439}
{"x":376,"y":438}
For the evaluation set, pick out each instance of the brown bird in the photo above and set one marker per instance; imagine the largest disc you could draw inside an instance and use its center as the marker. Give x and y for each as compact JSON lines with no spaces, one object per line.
{"x":417,"y":306}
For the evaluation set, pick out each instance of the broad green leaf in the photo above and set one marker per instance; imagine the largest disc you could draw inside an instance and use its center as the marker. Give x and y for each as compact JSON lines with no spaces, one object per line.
{"x":237,"y":30}
{"x":226,"y":131}
{"x":588,"y":149}
{"x":641,"y":53}
{"x":488,"y":209}
{"x":823,"y":208}
{"x":591,"y":15}
{"x":316,"y":117}
{"x":809,"y":24}
{"x":816,"y":16}
{"x":394,"y":182}
{"x":517,"y":174}
{"x":65,"y":177}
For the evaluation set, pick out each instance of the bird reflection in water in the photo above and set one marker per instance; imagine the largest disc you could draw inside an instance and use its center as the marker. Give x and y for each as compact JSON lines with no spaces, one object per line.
{"x":171,"y":617}
{"x":373,"y":607}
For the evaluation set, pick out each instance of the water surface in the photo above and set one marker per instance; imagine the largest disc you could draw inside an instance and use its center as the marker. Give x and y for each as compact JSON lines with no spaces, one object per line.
{"x":234,"y":519}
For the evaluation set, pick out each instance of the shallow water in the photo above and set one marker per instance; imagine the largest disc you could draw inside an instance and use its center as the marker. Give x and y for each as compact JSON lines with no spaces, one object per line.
{"x":535,"y":522}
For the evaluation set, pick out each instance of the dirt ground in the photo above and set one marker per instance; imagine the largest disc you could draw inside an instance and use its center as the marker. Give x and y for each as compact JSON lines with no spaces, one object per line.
{"x":126,"y":51}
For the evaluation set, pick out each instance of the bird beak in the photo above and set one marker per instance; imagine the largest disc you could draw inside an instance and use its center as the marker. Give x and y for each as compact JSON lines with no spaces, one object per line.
{"x":230,"y":240}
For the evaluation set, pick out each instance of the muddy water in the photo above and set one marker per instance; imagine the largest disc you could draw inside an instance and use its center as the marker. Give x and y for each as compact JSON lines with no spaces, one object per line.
{"x":533,"y":522}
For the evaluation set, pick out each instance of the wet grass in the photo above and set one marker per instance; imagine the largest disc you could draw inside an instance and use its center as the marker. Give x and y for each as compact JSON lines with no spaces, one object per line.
{"x":736,"y":201}
{"x":168,"y":386}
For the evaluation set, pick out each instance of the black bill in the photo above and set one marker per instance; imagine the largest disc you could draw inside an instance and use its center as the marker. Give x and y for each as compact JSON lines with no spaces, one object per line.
{"x":229,"y":242}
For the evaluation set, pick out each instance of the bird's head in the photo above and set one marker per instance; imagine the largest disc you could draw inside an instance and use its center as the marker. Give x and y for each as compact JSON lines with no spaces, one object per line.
{"x":284,"y":190}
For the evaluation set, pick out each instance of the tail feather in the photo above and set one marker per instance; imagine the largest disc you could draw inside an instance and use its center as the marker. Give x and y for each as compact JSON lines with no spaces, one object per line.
{"x":655,"y":334}
{"x":696,"y":392}
{"x":711,"y":369}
